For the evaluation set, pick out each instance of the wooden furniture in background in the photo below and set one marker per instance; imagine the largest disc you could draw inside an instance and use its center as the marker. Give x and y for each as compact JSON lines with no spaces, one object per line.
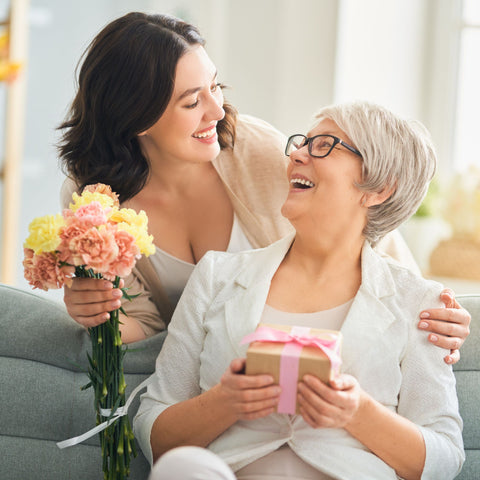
{"x":16,"y":29}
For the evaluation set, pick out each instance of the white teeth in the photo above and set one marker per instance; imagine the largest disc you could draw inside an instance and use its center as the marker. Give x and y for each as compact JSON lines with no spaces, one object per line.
{"x":206,"y":134}
{"x":302,"y":181}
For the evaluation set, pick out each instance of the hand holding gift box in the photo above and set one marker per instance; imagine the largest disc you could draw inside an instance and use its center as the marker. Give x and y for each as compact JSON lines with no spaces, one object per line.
{"x":288,"y":353}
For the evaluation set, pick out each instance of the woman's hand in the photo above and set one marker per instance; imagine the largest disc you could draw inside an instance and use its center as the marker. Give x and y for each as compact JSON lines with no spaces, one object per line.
{"x":89,"y":300}
{"x":328,"y":406}
{"x":449,"y":325}
{"x":248,"y":397}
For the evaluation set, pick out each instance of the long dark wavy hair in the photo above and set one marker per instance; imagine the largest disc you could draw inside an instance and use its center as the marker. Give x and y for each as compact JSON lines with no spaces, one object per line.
{"x":124,"y":85}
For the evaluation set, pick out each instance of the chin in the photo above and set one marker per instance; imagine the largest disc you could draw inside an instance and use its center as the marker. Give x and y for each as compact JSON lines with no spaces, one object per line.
{"x":288,"y":211}
{"x":214,"y":151}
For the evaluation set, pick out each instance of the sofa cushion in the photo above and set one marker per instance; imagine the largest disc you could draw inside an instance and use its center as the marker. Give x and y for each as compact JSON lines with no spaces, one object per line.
{"x":43,"y":364}
{"x":467,"y":373}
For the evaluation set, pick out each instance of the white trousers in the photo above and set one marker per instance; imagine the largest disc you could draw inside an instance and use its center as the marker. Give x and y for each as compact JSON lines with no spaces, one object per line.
{"x":191,"y":463}
{"x":195,"y":463}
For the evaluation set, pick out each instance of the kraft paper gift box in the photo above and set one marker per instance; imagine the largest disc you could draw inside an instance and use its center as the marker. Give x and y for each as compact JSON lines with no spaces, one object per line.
{"x":288,"y":353}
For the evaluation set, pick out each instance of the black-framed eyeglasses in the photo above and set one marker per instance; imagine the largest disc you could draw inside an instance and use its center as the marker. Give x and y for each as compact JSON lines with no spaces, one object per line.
{"x":319,"y":146}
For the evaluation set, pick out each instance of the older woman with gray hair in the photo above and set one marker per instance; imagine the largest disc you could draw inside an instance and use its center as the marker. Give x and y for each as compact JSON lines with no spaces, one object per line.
{"x":392,"y":412}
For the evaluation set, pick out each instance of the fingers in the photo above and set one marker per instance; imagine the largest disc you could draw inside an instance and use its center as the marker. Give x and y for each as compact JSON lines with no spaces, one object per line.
{"x":445,"y":335}
{"x":324,"y":406}
{"x":238,"y":365}
{"x":452,"y":315}
{"x":448,"y":298}
{"x":449,"y":327}
{"x":250,"y":396}
{"x":93,"y":284}
{"x":89,"y":301}
{"x":454,"y":357}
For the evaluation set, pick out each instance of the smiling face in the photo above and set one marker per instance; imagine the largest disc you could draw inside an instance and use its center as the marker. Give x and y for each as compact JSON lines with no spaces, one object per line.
{"x":322,"y":190}
{"x":186,"y":131}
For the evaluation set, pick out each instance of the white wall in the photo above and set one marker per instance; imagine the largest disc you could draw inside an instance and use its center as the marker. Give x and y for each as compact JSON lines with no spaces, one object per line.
{"x":278,"y":55}
{"x":381,"y":53}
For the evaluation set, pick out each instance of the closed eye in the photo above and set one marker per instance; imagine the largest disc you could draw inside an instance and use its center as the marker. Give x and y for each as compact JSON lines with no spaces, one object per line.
{"x":192,"y":105}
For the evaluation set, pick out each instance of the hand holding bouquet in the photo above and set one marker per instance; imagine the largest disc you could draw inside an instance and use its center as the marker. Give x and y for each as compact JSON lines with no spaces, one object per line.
{"x":94,"y":238}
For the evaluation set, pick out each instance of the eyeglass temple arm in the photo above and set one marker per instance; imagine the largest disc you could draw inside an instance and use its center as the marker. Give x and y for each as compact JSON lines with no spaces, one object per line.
{"x":353,"y":150}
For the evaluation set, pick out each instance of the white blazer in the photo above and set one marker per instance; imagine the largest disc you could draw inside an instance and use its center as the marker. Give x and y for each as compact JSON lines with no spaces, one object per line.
{"x":382,"y":347}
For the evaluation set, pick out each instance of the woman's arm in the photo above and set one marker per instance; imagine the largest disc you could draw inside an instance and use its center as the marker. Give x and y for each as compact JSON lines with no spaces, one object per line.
{"x":345,"y":405}
{"x":199,"y":420}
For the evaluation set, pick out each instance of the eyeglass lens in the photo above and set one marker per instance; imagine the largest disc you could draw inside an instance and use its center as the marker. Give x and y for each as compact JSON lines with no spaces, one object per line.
{"x":319,"y":146}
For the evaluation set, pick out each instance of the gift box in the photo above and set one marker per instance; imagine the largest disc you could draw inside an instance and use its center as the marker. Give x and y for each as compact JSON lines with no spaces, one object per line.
{"x":288,"y":353}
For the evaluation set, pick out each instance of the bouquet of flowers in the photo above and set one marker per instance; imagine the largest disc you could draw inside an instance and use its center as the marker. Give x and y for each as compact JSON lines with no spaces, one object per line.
{"x":94,"y":238}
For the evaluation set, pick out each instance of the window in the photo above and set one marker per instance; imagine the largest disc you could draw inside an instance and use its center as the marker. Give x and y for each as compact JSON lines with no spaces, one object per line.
{"x":467,"y":130}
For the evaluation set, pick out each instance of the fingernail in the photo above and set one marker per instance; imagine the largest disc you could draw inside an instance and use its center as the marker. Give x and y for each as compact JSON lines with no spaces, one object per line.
{"x":423,"y":325}
{"x":448,"y":360}
{"x":117,"y":293}
{"x":424,"y":315}
{"x":336,"y":384}
{"x":433,"y":338}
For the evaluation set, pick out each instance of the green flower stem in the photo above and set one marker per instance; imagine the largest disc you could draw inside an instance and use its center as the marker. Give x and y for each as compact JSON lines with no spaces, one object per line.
{"x":108,"y":383}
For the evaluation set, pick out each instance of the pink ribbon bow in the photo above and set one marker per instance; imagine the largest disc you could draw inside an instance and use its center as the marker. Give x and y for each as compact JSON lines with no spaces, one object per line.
{"x":294,"y":341}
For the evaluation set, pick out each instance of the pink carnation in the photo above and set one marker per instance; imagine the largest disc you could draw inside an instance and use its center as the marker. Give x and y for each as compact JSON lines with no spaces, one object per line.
{"x":128,"y":252}
{"x":43,"y":271}
{"x":93,"y":214}
{"x":70,"y":232}
{"x":95,"y":248}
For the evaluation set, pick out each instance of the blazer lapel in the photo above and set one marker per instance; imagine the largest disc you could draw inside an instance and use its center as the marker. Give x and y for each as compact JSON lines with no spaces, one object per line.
{"x":244,"y":309}
{"x":368,"y":317}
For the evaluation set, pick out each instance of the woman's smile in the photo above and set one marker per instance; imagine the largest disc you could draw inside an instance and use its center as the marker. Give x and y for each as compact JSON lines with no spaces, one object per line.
{"x":207,"y":135}
{"x":298,"y":182}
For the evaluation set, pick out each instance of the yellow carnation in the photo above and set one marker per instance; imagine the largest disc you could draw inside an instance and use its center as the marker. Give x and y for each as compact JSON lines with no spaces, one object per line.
{"x":143,"y":240}
{"x":87,"y":197}
{"x":130,"y":216}
{"x":44,"y":233}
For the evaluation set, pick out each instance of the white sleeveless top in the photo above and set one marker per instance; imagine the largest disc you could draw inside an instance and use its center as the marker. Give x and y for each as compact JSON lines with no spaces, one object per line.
{"x":174,"y":273}
{"x":331,"y":319}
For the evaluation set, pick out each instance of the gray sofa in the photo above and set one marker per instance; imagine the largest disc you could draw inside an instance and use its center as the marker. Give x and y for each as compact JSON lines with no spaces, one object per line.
{"x":42,"y":367}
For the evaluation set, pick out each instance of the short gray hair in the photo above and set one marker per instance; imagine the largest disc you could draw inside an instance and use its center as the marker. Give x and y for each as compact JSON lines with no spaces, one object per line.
{"x":397,"y":153}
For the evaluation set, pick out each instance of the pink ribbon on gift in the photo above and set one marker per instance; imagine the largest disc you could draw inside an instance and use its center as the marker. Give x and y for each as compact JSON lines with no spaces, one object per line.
{"x":294,"y":341}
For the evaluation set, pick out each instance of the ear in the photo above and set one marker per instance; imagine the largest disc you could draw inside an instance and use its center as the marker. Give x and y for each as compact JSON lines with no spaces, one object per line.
{"x":142,"y":134}
{"x":377,"y":198}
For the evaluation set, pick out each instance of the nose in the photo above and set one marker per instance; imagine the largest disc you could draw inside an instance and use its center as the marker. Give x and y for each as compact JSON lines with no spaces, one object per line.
{"x":215,"y":109}
{"x":300,"y":156}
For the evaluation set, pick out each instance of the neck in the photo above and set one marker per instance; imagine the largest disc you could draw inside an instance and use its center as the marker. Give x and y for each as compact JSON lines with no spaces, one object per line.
{"x":178,"y":177}
{"x":326,"y":256}
{"x":172,"y":174}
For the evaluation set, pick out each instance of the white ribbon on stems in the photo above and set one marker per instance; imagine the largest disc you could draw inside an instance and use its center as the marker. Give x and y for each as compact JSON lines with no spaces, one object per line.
{"x":119,"y":412}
